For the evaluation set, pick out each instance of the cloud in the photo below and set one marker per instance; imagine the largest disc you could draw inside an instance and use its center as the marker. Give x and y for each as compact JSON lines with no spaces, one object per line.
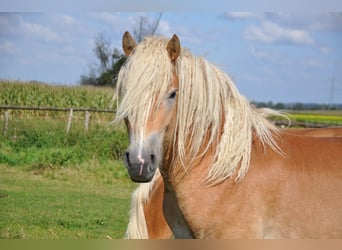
{"x":15,"y":25}
{"x":114,"y":22}
{"x":239,"y":15}
{"x":331,"y":21}
{"x":113,"y":19}
{"x":69,"y":20}
{"x":311,"y":21}
{"x":312,"y":63}
{"x":324,"y":49}
{"x":66,"y":24}
{"x":263,"y":54}
{"x":270,"y":32}
{"x":9,"y":24}
{"x":7,"y":47}
{"x":40,"y":32}
{"x":164,"y":28}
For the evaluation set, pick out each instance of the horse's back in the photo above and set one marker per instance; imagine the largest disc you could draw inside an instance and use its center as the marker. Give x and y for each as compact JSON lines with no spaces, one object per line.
{"x":305,"y":186}
{"x":319,"y":150}
{"x":317,"y":132}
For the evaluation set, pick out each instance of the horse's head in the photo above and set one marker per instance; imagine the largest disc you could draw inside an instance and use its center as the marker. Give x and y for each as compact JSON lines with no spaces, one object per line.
{"x":149,"y":86}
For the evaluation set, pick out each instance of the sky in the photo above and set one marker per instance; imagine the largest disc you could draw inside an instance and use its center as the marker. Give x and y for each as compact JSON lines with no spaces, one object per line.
{"x":276,"y":56}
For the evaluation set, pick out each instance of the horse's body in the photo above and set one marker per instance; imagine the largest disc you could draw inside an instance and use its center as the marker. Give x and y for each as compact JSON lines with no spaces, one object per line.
{"x":318,"y":132}
{"x":227,"y":171}
{"x":148,"y":212}
{"x":280,"y":197}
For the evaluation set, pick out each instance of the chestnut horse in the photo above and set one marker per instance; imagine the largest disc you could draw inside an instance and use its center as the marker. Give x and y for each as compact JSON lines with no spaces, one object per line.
{"x":227,"y":171}
{"x":147,"y":220}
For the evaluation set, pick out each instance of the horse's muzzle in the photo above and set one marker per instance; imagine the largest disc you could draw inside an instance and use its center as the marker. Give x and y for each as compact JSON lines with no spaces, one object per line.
{"x":141,"y":167}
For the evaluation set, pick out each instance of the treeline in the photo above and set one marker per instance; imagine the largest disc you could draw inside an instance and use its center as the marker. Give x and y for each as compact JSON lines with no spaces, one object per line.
{"x":297,"y":106}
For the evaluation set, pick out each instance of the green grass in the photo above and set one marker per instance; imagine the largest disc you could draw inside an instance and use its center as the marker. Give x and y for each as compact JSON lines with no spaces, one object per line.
{"x":329,"y":118}
{"x":316,"y":118}
{"x":55,"y":185}
{"x":39,"y":142}
{"x":91,"y":201}
{"x":58,"y":186}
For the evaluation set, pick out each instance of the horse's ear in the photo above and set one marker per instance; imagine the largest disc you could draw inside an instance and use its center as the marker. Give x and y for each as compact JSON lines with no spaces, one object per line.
{"x":173,"y":48}
{"x":128,"y":43}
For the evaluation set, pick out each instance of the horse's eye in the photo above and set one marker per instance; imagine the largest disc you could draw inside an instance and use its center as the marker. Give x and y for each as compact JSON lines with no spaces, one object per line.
{"x":173,"y":94}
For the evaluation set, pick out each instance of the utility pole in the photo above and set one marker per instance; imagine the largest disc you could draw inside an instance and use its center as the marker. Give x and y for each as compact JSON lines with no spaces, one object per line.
{"x":332,"y":91}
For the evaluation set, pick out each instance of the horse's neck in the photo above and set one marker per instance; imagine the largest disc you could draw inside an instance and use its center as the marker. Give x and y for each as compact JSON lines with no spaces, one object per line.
{"x":174,"y":215}
{"x":176,"y":186}
{"x":174,"y":167}
{"x":173,"y":172}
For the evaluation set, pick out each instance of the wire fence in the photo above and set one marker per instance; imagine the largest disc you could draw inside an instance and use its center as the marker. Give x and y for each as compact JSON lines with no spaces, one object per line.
{"x":71,"y":111}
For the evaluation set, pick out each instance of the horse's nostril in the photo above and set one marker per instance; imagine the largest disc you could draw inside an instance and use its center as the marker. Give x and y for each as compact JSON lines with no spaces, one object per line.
{"x":127,"y":156}
{"x":152,"y":157}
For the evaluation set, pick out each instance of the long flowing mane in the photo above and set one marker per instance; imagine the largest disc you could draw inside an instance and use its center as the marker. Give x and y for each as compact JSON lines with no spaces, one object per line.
{"x":137,"y":228}
{"x":210,"y":109}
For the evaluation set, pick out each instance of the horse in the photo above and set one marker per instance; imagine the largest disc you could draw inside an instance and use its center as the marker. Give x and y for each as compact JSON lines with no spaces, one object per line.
{"x":146,"y":219}
{"x":227,"y":171}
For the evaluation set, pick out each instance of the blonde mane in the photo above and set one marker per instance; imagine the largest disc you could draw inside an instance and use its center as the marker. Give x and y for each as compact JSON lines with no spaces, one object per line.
{"x":210,"y":108}
{"x":137,"y":228}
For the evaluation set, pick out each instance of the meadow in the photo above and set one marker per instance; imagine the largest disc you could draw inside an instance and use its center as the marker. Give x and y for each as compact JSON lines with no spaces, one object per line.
{"x":58,"y":186}
{"x":333,"y":118}
{"x":55,"y":185}
{"x":309,"y":118}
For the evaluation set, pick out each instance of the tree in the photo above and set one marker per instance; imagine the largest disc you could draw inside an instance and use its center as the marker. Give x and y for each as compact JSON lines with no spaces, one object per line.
{"x":118,"y":60}
{"x":146,"y":27}
{"x":110,"y":60}
{"x":298,"y":106}
{"x":101,"y":73}
{"x":102,"y":51}
{"x":279,"y":105}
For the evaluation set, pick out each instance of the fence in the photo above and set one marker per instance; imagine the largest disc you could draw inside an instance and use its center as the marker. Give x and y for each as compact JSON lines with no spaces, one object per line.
{"x":70,"y":110}
{"x":87,"y":112}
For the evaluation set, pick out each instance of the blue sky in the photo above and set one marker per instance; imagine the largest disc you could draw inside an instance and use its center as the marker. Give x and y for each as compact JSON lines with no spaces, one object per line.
{"x":271,"y":56}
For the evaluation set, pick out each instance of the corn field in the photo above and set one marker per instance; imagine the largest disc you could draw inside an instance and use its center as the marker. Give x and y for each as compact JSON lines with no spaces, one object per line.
{"x":35,"y":94}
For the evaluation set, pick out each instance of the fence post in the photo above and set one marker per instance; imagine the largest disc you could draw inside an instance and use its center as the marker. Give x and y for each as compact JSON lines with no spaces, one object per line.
{"x":86,"y":121}
{"x":6,"y":116}
{"x":69,"y":121}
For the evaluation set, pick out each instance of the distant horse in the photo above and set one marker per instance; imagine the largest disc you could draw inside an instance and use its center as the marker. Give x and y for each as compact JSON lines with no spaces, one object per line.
{"x":227,"y":171}
{"x":146,"y":216}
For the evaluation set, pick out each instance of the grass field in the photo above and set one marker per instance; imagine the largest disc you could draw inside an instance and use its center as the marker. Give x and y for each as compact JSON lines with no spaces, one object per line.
{"x":87,"y":202}
{"x":322,"y":117}
{"x":58,"y":186}
{"x":314,"y":117}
